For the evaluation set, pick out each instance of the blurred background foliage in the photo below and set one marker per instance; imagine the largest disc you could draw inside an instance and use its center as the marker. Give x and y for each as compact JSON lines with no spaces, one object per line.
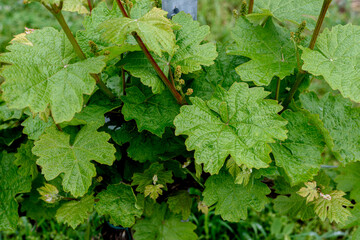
{"x":218,"y":14}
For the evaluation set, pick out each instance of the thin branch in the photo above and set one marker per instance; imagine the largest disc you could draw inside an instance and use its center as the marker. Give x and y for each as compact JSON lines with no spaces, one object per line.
{"x":56,"y":11}
{"x":180,"y":99}
{"x":301,"y":74}
{"x":251,"y":6}
{"x":123,"y":81}
{"x":319,"y":23}
{"x":90,"y":6}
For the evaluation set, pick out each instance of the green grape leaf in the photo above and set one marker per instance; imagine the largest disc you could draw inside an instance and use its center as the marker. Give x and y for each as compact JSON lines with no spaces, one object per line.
{"x":34,"y":127}
{"x":294,"y":206}
{"x":153,"y":28}
{"x":41,"y":75}
{"x":341,"y":122}
{"x":349,"y":180}
{"x":119,"y":202}
{"x":11,"y":183}
{"x":221,"y":73}
{"x":180,"y":203}
{"x":239,"y":122}
{"x":75,"y":212}
{"x":26,"y":160}
{"x":290,"y":10}
{"x":336,"y":58}
{"x":152,"y":147}
{"x":100,"y":14}
{"x":57,"y":155}
{"x":161,"y":224}
{"x":139,"y":66}
{"x":191,"y":53}
{"x":300,"y":154}
{"x":141,"y":180}
{"x":333,"y":206}
{"x":151,"y":112}
{"x":8,"y":114}
{"x":222,"y":191}
{"x":269,"y":48}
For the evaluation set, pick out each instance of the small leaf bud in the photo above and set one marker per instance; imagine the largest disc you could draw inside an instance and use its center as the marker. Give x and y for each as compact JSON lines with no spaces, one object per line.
{"x":189,"y":92}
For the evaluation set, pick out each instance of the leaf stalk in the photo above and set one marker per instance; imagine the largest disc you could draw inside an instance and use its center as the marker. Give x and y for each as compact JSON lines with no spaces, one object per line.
{"x":56,"y":11}
{"x":251,"y":6}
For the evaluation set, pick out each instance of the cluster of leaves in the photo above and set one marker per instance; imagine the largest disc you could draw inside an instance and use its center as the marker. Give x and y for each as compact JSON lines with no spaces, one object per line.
{"x":88,"y":123}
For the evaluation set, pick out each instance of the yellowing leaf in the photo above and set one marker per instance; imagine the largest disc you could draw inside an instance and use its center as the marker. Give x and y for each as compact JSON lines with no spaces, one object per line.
{"x":309,"y":192}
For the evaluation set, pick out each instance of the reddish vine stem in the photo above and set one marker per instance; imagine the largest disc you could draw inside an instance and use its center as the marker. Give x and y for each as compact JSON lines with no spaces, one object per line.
{"x":180,"y":99}
{"x":251,"y":6}
{"x":301,"y":74}
{"x":90,"y":6}
{"x":56,"y":11}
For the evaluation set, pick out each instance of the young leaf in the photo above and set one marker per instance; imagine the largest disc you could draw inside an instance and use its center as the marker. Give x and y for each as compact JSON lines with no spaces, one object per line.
{"x":75,"y":212}
{"x":253,"y":123}
{"x":162,"y":224}
{"x":181,"y":203}
{"x":192,"y":53}
{"x":154,"y":191}
{"x":154,"y":29}
{"x":151,"y":112}
{"x":11,"y":184}
{"x":333,"y":208}
{"x":300,"y":154}
{"x":58,"y":156}
{"x":309,"y":192}
{"x":222,"y":191}
{"x":341,"y":121}
{"x":26,"y":160}
{"x":146,"y":178}
{"x":41,"y":75}
{"x":269,"y":48}
{"x":290,"y":10}
{"x":336,"y":58}
{"x":119,"y":202}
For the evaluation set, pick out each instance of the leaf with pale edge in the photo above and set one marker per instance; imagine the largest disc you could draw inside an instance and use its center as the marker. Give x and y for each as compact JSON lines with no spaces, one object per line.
{"x":239,"y":122}
{"x":26,"y":160}
{"x":290,"y":10}
{"x":334,"y":209}
{"x":119,"y":202}
{"x":341,"y":121}
{"x":75,"y":212}
{"x":191,"y":53}
{"x":41,"y":75}
{"x":336,"y":58}
{"x":233,"y":200}
{"x":11,"y":183}
{"x":161,"y":224}
{"x":146,"y":178}
{"x":58,"y":156}
{"x":154,"y":29}
{"x":269,"y":48}
{"x":151,"y":112}
{"x":300,"y":154}
{"x":180,"y":203}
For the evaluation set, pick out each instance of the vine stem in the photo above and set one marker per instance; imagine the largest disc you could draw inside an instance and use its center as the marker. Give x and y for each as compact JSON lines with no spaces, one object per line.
{"x":301,"y":74}
{"x":56,"y":11}
{"x":251,"y":6}
{"x":90,"y":6}
{"x":123,"y":81}
{"x":180,"y":99}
